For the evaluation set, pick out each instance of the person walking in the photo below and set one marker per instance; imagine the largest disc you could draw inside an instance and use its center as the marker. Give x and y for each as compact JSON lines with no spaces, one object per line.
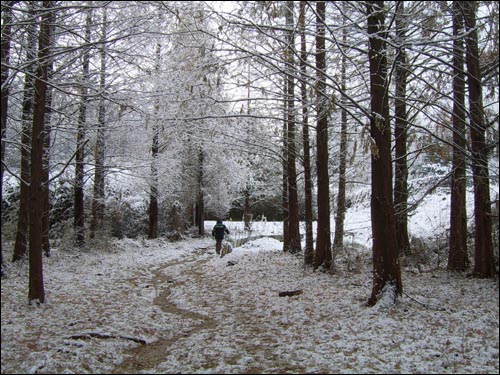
{"x":218,"y":232}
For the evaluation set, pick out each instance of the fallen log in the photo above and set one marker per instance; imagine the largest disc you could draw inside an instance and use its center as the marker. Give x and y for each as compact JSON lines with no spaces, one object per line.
{"x":86,"y":336}
{"x":290,"y":293}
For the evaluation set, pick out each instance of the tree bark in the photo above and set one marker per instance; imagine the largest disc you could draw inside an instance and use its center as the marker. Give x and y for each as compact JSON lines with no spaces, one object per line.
{"x":79,"y":204}
{"x":323,"y":254}
{"x":246,"y":209}
{"x":338,"y":240}
{"x":386,"y":268}
{"x":309,"y":249}
{"x":200,"y":206}
{"x":293,"y":202}
{"x":153,"y":195}
{"x":21,"y":243}
{"x":400,"y":135}
{"x":484,"y":265}
{"x":36,"y":292}
{"x":457,"y":253}
{"x":6,"y":36}
{"x":46,"y":163}
{"x":284,"y":196}
{"x":98,"y":197}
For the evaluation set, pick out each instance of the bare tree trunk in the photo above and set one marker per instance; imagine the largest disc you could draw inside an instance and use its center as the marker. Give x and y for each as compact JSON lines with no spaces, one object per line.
{"x":247,"y":217}
{"x":293,"y":201}
{"x":46,"y":163}
{"x":457,"y":255}
{"x":36,"y":291}
{"x":323,"y":254}
{"x":200,"y":206}
{"x":21,"y":243}
{"x":153,"y":195}
{"x":79,"y":204}
{"x":400,"y":134}
{"x":285,"y":205}
{"x":6,"y":36}
{"x":309,"y":249}
{"x":386,"y":268}
{"x":246,"y":209}
{"x":98,"y":198}
{"x":484,"y":265}
{"x":338,"y":240}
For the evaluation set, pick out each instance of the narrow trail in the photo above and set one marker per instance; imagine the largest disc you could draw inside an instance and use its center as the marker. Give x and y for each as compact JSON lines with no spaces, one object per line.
{"x":149,"y":356}
{"x":218,"y":311}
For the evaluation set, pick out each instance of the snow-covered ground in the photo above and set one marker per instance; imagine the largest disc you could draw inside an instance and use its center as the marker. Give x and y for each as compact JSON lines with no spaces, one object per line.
{"x":198,"y":313}
{"x":154,"y":306}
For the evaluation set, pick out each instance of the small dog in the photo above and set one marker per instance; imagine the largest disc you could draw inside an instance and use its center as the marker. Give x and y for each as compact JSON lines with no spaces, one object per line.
{"x":226,"y":248}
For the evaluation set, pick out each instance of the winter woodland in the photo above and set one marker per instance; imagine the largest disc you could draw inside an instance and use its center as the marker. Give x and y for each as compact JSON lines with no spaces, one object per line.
{"x":350,"y":147}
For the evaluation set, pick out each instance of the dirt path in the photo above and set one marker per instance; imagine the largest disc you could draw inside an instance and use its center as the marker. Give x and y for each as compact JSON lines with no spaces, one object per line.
{"x":149,"y":356}
{"x":220,"y":325}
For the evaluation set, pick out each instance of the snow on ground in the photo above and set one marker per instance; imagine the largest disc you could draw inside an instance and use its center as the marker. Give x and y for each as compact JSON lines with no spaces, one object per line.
{"x":199,"y":313}
{"x":154,"y":306}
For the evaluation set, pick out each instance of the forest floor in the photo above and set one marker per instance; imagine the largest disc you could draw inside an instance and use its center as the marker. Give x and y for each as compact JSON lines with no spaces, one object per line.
{"x":158,"y":307}
{"x":151,"y":355}
{"x":212,"y":323}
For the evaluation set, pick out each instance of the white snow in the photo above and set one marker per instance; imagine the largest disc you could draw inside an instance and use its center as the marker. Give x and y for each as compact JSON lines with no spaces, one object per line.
{"x":199,"y":313}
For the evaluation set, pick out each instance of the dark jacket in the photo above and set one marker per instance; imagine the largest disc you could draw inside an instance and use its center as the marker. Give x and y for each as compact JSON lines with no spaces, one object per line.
{"x":219,"y":230}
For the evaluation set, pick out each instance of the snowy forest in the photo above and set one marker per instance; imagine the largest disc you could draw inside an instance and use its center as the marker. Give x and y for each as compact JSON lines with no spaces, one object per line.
{"x":146,"y":121}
